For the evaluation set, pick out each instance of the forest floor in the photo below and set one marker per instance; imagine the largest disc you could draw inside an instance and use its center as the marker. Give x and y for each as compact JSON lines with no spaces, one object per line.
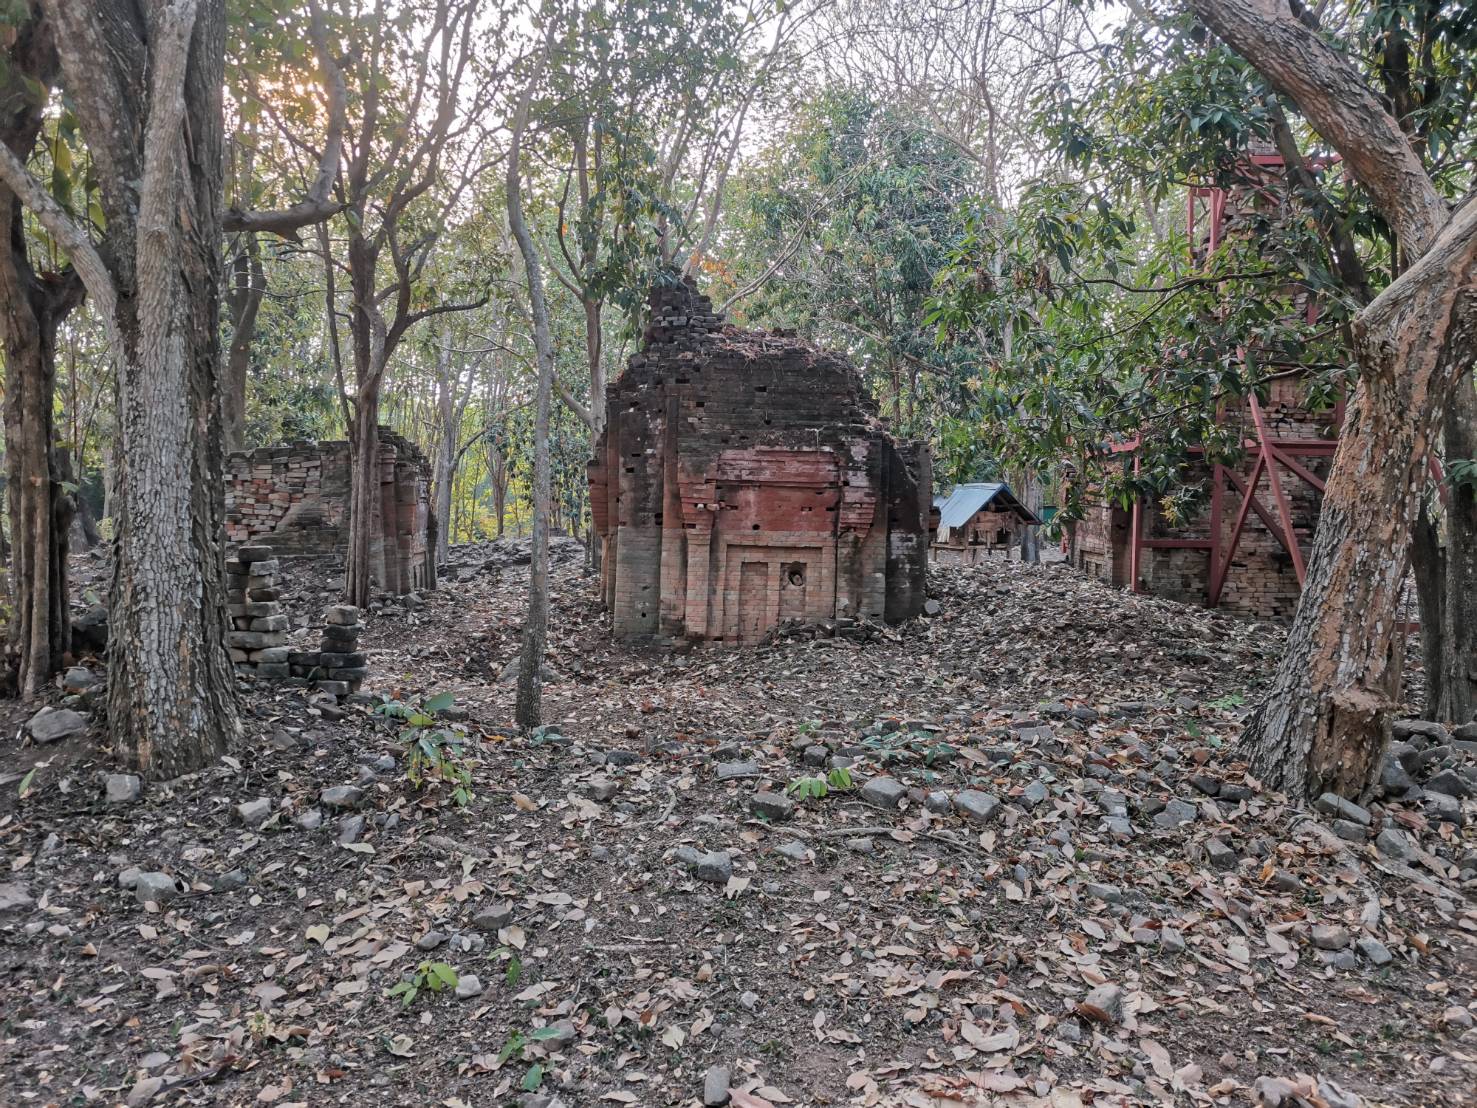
{"x":1073,"y":896}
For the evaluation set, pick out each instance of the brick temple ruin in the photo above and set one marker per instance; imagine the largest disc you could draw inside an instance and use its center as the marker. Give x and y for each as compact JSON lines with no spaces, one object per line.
{"x":744,"y":480}
{"x":295,"y":498}
{"x":1245,"y":550}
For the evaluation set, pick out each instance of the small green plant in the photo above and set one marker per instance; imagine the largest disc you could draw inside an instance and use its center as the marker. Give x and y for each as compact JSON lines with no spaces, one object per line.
{"x":428,"y":977}
{"x":1230,"y":700}
{"x":432,"y":754}
{"x":815,"y":788}
{"x":516,"y":1042}
{"x":807,"y":727}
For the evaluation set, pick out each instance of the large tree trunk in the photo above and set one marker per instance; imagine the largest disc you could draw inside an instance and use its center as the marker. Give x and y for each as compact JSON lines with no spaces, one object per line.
{"x":171,"y":692}
{"x":1325,"y":723}
{"x":364,"y":500}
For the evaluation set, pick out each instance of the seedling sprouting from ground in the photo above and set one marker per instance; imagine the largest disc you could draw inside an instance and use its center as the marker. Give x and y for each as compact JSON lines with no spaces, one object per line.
{"x":814,"y":788}
{"x":427,"y":977}
{"x":433,"y":754}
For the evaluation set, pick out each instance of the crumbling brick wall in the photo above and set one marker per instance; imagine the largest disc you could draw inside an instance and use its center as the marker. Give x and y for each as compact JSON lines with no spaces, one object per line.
{"x":744,"y":479}
{"x":296,"y":499}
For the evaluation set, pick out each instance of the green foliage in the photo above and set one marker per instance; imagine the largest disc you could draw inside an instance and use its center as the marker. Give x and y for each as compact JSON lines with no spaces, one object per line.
{"x":433,"y":755}
{"x":427,"y":977}
{"x":816,"y":788}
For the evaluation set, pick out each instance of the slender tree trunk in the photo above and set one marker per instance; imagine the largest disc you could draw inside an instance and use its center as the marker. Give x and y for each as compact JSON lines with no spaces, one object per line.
{"x":528,"y":708}
{"x":1428,"y":568}
{"x":364,"y":500}
{"x":31,"y":309}
{"x":1457,"y":699}
{"x":248,"y":286}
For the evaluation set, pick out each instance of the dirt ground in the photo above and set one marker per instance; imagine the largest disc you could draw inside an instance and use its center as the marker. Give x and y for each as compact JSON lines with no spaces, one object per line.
{"x":1073,"y":894}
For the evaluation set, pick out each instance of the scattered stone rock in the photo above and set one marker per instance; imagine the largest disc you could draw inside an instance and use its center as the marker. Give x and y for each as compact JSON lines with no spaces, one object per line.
{"x":1327,"y":936}
{"x":494,"y":917}
{"x":861,"y":845}
{"x":815,"y":755}
{"x":123,"y":788}
{"x":468,"y":985}
{"x":1103,"y":1005}
{"x":938,"y":802}
{"x":1451,"y":782}
{"x":430,"y":940}
{"x":1331,"y":804}
{"x":1220,"y":855}
{"x":715,"y":866}
{"x":736,"y":771}
{"x":310,"y":820}
{"x":772,"y":806}
{"x":350,"y":830}
{"x":715,"y":1086}
{"x":977,"y":806}
{"x":1394,"y":843}
{"x":254,"y":813}
{"x":602,"y":789}
{"x":1349,"y":830}
{"x":14,"y":898}
{"x":884,"y":792}
{"x":1374,"y":950}
{"x":51,"y":725}
{"x":1033,"y":794}
{"x":1171,"y":941}
{"x":1112,"y":894}
{"x":156,"y":888}
{"x":793,"y":850}
{"x":342,"y":796}
{"x":1175,"y":813}
{"x":558,"y":1036}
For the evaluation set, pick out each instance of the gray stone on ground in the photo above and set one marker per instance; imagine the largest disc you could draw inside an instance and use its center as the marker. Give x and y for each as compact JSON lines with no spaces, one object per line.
{"x":714,"y":866}
{"x":51,"y":725}
{"x":1220,"y":855}
{"x":14,"y":897}
{"x":977,"y":806}
{"x":938,"y":802}
{"x":468,"y":985}
{"x":1394,"y":843}
{"x":253,"y":813}
{"x":1451,"y":782}
{"x":815,"y":754}
{"x":123,"y":788}
{"x":1104,"y":1004}
{"x":793,"y":850}
{"x":736,"y":771}
{"x":310,"y":820}
{"x":1112,"y":894}
{"x":884,"y":792}
{"x":78,"y":679}
{"x":1034,"y":794}
{"x":772,"y":806}
{"x":342,"y":796}
{"x":1328,"y":936}
{"x":1374,"y":950}
{"x":1349,"y":830}
{"x":1331,"y":804}
{"x":350,"y":830}
{"x":158,"y":888}
{"x":1171,"y":941}
{"x":602,"y":789}
{"x":494,"y":917}
{"x":1175,"y":813}
{"x":715,"y":1086}
{"x":558,"y":1035}
{"x":862,"y":845}
{"x":932,"y":607}
{"x":430,"y":940}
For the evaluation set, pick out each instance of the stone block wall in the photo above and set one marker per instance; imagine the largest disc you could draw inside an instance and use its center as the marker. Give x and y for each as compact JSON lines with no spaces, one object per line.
{"x":296,"y":497}
{"x":744,"y":479}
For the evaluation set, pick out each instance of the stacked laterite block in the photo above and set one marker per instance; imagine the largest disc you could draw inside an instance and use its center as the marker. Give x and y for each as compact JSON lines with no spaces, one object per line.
{"x":744,"y":480}
{"x":297,"y":498}
{"x":258,"y":636}
{"x":337,"y":667}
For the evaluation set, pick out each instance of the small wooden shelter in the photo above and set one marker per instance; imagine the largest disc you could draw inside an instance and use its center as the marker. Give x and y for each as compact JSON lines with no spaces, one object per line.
{"x":974,"y":521}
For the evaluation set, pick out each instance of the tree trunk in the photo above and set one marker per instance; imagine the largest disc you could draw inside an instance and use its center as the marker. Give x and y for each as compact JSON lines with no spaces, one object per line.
{"x":31,"y":308}
{"x":1456,"y":701}
{"x":171,"y":692}
{"x":248,"y":286}
{"x":528,"y":708}
{"x":1325,"y":723}
{"x":364,"y":500}
{"x":1427,"y":561}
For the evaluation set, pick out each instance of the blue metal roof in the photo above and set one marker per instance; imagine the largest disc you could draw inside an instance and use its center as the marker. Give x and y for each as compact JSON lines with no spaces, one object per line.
{"x":960,"y":506}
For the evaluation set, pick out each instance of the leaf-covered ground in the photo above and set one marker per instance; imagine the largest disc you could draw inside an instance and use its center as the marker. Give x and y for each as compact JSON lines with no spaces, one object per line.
{"x":1112,"y":914}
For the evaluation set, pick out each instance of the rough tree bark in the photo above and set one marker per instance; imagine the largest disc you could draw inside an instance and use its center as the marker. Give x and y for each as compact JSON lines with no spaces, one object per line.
{"x":32,"y":306}
{"x":528,"y":708}
{"x":1325,"y":723}
{"x":1455,"y":663}
{"x":146,"y":81}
